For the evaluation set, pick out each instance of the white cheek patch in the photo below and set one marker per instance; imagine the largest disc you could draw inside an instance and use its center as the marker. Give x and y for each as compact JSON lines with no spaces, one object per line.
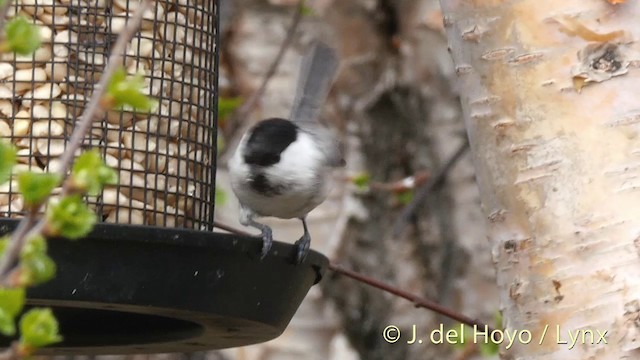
{"x":299,"y":165}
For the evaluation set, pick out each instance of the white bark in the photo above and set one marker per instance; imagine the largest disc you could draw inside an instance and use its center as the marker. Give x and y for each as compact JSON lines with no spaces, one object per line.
{"x":550,"y":93}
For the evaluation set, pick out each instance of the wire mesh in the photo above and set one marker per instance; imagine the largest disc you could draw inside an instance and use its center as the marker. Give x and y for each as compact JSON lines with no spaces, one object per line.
{"x":166,"y":158}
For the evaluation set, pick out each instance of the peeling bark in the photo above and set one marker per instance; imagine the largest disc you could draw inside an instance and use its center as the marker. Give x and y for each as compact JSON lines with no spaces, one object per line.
{"x":549,"y":90}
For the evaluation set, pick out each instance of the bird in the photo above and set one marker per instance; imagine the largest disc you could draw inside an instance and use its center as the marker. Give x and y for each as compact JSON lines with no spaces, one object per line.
{"x":281,"y":167}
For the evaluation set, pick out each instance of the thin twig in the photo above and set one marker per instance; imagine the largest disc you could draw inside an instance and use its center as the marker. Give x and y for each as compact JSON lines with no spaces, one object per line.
{"x":10,"y":353}
{"x":28,"y":225}
{"x":417,"y":300}
{"x":4,"y":10}
{"x":427,"y":188}
{"x":248,"y":106}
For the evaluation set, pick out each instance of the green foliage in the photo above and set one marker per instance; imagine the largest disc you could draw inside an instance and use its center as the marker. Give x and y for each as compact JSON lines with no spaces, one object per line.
{"x":11,"y":303}
{"x":70,"y":218}
{"x":361,"y":181}
{"x":8,"y":157}
{"x":123,"y":91}
{"x":37,"y":267}
{"x":227,"y":105}
{"x":489,"y":348}
{"x":38,"y":328}
{"x":220,"y":143}
{"x":404,"y":197}
{"x":307,"y":11}
{"x":22,"y":37}
{"x":221,"y":197}
{"x":35,"y":187}
{"x":91,"y":174}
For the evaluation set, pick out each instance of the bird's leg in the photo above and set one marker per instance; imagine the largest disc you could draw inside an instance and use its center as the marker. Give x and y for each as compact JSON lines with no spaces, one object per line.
{"x":304,"y":243}
{"x":246,"y":219}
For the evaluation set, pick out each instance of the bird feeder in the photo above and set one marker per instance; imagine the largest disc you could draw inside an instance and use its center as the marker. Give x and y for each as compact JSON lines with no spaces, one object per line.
{"x":153,"y":276}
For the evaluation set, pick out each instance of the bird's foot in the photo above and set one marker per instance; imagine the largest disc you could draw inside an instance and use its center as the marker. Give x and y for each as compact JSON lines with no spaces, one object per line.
{"x":303,"y":248}
{"x":267,"y":241}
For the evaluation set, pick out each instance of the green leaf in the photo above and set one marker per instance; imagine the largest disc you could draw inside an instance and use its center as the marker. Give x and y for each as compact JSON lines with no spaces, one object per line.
{"x":38,"y":328}
{"x":4,"y":241}
{"x":23,"y":37}
{"x":11,"y":303}
{"x":405,"y":197}
{"x":221,"y":143}
{"x":35,"y":187}
{"x":227,"y":105}
{"x":91,"y":174}
{"x":221,"y":197}
{"x":8,"y":157}
{"x":37,"y":267}
{"x":123,"y":91}
{"x":70,"y":218}
{"x":361,"y":181}
{"x":307,"y":11}
{"x":489,"y":348}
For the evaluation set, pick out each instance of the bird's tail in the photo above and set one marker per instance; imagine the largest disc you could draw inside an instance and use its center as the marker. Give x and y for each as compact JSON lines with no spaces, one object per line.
{"x":318,"y":68}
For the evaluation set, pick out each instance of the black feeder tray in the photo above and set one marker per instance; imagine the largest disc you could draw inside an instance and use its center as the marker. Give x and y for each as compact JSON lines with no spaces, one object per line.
{"x":135,"y":289}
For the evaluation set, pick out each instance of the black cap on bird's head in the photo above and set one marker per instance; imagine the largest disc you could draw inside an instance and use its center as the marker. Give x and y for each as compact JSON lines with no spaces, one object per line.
{"x":267,"y":140}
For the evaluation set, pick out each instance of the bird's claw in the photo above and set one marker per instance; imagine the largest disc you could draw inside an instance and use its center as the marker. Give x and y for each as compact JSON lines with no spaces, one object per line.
{"x":267,"y":241}
{"x":303,"y":248}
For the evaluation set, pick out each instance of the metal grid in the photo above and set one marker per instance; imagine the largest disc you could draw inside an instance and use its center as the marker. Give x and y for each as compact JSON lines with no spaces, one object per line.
{"x":166,"y":159}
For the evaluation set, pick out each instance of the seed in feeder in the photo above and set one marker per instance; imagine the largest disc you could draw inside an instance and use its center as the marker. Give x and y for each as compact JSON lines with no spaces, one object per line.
{"x":111,"y":160}
{"x":88,"y":56}
{"x":31,"y":7}
{"x":51,"y":147}
{"x":46,"y":128}
{"x":5,"y":93}
{"x":130,"y":179}
{"x":141,"y":46}
{"x":149,"y":16}
{"x":5,"y":130}
{"x":118,"y":23}
{"x":53,"y":165}
{"x":25,"y":156}
{"x":6,"y":70}
{"x":20,"y":168}
{"x":40,"y":94}
{"x":21,"y":126}
{"x":136,"y":140}
{"x":25,"y":79}
{"x":42,"y":54}
{"x":58,"y":111}
{"x":56,"y":70}
{"x":5,"y":196}
{"x":62,"y":41}
{"x":56,"y":21}
{"x":114,"y":148}
{"x":121,"y":215}
{"x":7,"y":108}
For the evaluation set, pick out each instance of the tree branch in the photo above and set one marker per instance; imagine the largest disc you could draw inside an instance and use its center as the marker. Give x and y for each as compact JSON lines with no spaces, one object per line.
{"x":415,"y":299}
{"x":427,"y":188}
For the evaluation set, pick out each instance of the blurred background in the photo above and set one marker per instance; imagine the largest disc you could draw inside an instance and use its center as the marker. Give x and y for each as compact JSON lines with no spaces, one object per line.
{"x":396,"y":107}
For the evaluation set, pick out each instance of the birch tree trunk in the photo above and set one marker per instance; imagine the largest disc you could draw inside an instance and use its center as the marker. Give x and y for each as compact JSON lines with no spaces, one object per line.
{"x":550,"y":94}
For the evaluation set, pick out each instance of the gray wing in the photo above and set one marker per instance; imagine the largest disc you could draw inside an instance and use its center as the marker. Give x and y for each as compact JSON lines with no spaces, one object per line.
{"x":318,"y":68}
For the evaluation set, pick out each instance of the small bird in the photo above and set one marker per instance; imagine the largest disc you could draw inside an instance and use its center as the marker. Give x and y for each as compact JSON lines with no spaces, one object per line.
{"x":281,"y":167}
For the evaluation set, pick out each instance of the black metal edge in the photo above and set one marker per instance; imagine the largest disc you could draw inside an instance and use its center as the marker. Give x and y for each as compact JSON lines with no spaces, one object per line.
{"x":251,"y":246}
